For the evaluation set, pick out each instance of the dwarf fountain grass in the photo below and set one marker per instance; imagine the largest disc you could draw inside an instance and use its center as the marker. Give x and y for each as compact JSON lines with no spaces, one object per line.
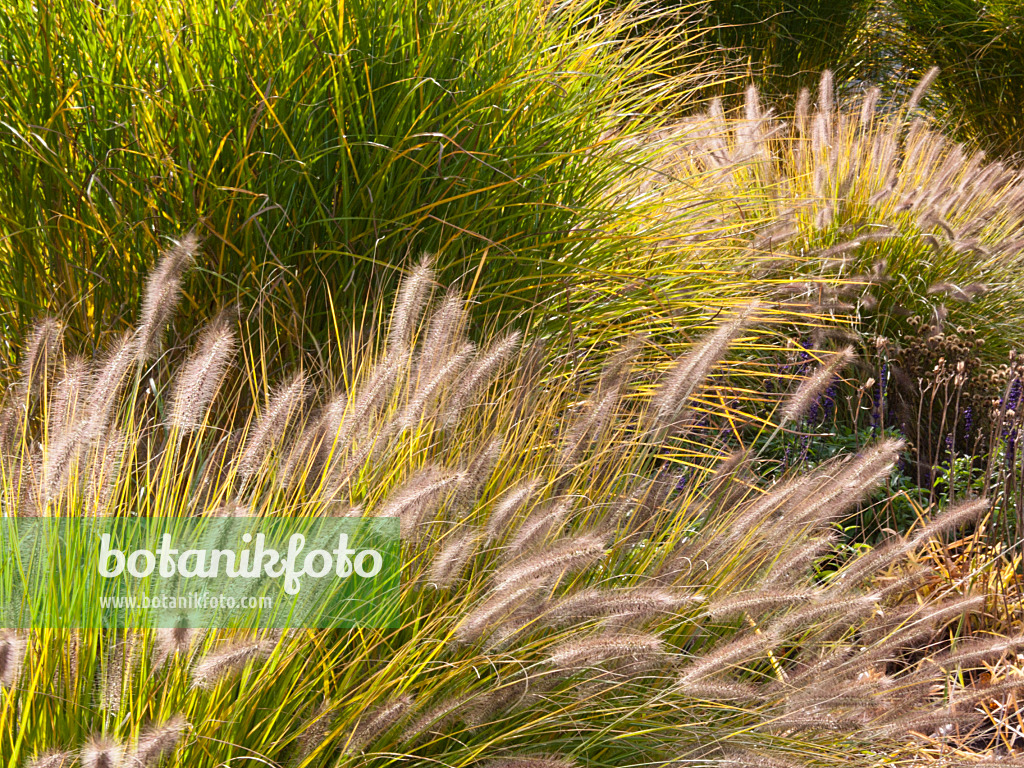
{"x":564,"y":601}
{"x":843,"y":216}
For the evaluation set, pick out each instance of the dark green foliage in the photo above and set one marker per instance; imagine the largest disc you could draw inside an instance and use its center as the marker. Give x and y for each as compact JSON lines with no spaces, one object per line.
{"x":980,"y":48}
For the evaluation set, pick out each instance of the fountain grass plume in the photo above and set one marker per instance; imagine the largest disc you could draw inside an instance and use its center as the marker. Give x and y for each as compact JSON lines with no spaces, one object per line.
{"x":272,"y":423}
{"x":158,"y":741}
{"x":411,"y":300}
{"x":40,"y":354}
{"x":103,"y":752}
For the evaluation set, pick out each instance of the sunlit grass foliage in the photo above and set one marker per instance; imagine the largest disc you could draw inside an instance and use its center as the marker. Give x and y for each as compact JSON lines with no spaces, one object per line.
{"x":569,"y":596}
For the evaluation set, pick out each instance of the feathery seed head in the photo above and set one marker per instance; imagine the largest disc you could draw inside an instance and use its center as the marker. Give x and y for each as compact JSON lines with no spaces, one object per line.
{"x":811,"y":388}
{"x":201,"y":375}
{"x":412,"y":296}
{"x":531,"y":761}
{"x":103,"y":753}
{"x":13,"y":646}
{"x":162,"y":291}
{"x":224,"y":663}
{"x":52,"y":759}
{"x":270,"y":427}
{"x":609,"y":646}
{"x":690,"y":370}
{"x":40,"y":354}
{"x":373,"y":724}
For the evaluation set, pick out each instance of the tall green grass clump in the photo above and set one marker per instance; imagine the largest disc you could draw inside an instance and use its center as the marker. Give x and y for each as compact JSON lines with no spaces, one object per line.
{"x":318,"y":145}
{"x":785,"y":44}
{"x":568,"y":597}
{"x":979,"y":47}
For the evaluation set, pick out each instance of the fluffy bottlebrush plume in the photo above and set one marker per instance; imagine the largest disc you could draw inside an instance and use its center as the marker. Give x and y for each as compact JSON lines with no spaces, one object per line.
{"x":480,"y":373}
{"x":541,"y":523}
{"x":52,"y":759}
{"x":745,"y":758}
{"x":269,"y":429}
{"x":159,"y":741}
{"x":417,"y":498}
{"x":60,"y":455}
{"x":103,"y":753}
{"x":588,"y":426}
{"x":610,"y":646}
{"x":811,"y":388}
{"x":885,"y":555}
{"x":621,"y":605}
{"x":795,"y":561}
{"x":921,"y":89}
{"x":867,"y":108}
{"x":690,"y":370}
{"x":225,"y":663}
{"x":169,"y":642}
{"x":889,"y":641}
{"x":960,"y":514}
{"x":163,"y":289}
{"x":200,"y":377}
{"x":451,"y":560}
{"x":345,"y":416}
{"x":13,"y":645}
{"x":476,"y":474}
{"x":315,"y":730}
{"x":105,"y":470}
{"x":753,"y":514}
{"x":531,"y":761}
{"x":755,"y":604}
{"x":434,"y":719}
{"x":412,"y":296}
{"x":40,"y":354}
{"x":432,"y":382}
{"x":843,"y":605}
{"x":498,"y":606}
{"x":66,"y":405}
{"x":825,"y":103}
{"x":119,"y":668}
{"x":973,"y":651}
{"x":518,"y":693}
{"x":443,"y":336}
{"x":107,"y":381}
{"x":373,"y":724}
{"x":729,"y":654}
{"x":719,"y":690}
{"x":932,"y":723}
{"x":850,"y":484}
